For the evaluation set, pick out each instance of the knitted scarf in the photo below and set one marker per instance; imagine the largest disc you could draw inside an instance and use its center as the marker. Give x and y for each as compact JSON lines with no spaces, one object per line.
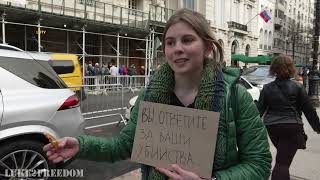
{"x":209,"y":97}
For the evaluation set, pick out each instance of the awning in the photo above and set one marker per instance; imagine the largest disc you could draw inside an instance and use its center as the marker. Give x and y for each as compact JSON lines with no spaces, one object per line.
{"x":253,"y":59}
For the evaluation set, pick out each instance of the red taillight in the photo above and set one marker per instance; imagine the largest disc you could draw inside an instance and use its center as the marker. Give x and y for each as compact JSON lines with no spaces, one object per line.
{"x":71,"y":102}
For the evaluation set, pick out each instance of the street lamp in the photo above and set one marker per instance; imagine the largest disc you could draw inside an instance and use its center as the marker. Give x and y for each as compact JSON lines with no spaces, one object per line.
{"x":314,"y":78}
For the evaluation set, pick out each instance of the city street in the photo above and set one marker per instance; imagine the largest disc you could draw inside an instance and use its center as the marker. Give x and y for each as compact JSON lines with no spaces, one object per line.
{"x":106,"y":50}
{"x":100,"y":100}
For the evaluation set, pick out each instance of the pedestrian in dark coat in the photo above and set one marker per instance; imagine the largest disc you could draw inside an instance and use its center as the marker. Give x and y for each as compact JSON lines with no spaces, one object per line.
{"x":281,"y":104}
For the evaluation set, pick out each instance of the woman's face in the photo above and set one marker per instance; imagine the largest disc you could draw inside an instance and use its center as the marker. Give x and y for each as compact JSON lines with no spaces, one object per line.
{"x":184,"y":49}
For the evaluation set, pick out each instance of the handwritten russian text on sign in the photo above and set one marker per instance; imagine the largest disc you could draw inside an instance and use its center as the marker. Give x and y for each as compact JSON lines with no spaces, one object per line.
{"x":167,"y":134}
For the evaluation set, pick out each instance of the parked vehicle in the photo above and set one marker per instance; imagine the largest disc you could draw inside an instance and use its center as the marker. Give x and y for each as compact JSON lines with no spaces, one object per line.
{"x":132,"y":101}
{"x":69,"y":70}
{"x":253,"y":91}
{"x":33,"y":101}
{"x":258,"y":75}
{"x":9,"y":47}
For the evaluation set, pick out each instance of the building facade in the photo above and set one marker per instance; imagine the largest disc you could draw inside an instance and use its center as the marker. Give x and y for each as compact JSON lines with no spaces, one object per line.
{"x":125,"y":31}
{"x":105,"y":31}
{"x":293,"y":29}
{"x":235,"y":25}
{"x":266,"y":29}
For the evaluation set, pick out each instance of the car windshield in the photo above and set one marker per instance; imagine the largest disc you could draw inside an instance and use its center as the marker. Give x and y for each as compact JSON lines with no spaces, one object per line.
{"x":257,"y":71}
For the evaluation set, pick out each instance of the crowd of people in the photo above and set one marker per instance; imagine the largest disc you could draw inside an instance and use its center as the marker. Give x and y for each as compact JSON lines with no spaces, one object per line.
{"x":112,"y":69}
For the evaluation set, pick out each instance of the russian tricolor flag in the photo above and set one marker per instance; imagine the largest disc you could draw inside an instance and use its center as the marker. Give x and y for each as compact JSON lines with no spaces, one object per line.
{"x":265,"y":15}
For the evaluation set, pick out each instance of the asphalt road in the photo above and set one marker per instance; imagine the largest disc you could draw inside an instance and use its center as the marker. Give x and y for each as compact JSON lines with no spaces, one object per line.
{"x":103,"y":170}
{"x":102,"y":100}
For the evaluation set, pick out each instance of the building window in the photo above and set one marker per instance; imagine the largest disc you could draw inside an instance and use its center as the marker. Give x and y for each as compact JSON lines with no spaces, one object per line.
{"x":132,"y":4}
{"x":221,"y":43}
{"x":188,"y":4}
{"x":132,"y":7}
{"x":265,"y":38}
{"x":234,"y":50}
{"x":234,"y":47}
{"x":261,"y":39}
{"x":222,"y":14}
{"x":237,"y":3}
{"x":247,"y":53}
{"x":280,"y":14}
{"x":290,"y":9}
{"x":270,"y":40}
{"x":89,"y":2}
{"x":249,"y":16}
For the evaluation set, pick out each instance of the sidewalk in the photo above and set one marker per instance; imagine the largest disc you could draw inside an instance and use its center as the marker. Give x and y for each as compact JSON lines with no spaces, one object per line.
{"x":133,"y":175}
{"x":305,"y":165}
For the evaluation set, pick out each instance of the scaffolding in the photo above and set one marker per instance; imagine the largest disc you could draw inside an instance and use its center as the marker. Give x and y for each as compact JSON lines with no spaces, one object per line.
{"x":124,"y":38}
{"x":84,"y":9}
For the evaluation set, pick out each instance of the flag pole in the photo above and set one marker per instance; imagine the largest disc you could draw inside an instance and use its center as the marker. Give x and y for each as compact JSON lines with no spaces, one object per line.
{"x":252,"y":18}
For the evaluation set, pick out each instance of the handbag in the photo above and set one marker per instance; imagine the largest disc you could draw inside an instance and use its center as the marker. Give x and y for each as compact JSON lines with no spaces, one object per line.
{"x":304,"y":137}
{"x":303,"y":144}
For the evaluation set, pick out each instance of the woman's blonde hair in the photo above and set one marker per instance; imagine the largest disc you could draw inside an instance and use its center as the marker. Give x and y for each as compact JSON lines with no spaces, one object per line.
{"x":201,"y":26}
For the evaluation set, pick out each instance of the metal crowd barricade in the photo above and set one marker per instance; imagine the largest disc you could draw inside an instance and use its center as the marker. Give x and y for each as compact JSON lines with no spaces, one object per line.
{"x":102,"y":100}
{"x":137,"y":81}
{"x":90,"y":80}
{"x":129,"y":82}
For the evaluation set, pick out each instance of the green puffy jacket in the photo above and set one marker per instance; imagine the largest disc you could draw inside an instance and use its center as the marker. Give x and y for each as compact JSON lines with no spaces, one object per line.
{"x":242,"y":148}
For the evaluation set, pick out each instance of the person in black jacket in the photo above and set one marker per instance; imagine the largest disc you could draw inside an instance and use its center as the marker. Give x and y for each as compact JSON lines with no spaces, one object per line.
{"x":281,"y":104}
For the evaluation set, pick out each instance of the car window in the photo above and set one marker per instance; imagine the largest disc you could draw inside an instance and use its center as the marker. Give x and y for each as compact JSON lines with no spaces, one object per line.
{"x":244,"y":83}
{"x":257,"y":71}
{"x":62,"y":66}
{"x":38,"y":73}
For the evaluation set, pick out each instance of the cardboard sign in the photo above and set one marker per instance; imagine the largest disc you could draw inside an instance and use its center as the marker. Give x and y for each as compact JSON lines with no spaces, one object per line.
{"x":167,"y":134}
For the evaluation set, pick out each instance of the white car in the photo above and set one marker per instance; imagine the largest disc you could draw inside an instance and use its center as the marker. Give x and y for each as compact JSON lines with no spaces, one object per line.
{"x":258,"y":75}
{"x":33,"y":101}
{"x":253,"y":91}
{"x":130,"y":106}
